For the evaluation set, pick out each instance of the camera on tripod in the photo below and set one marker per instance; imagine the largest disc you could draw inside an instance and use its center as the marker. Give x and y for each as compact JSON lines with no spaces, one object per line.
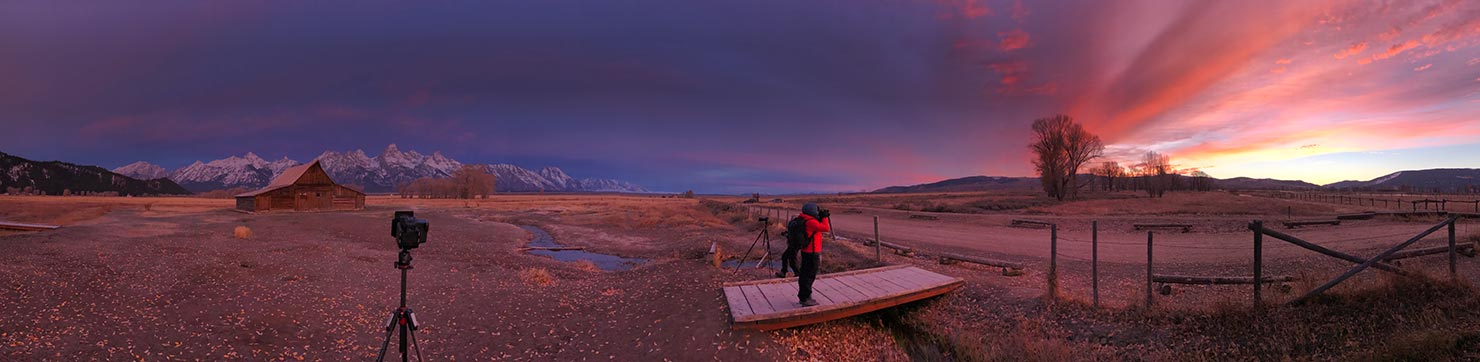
{"x":409,"y":231}
{"x":764,"y":219}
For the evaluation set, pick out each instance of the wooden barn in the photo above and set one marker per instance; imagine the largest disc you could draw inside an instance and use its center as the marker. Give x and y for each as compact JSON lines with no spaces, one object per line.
{"x":302,"y":188}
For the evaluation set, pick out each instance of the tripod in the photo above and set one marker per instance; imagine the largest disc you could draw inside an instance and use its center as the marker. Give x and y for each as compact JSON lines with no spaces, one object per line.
{"x":765,"y":234}
{"x":402,"y":316}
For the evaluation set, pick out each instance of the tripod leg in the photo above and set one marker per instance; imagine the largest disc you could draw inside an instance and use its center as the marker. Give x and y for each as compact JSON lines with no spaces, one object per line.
{"x":389,"y":326}
{"x":415,"y":346}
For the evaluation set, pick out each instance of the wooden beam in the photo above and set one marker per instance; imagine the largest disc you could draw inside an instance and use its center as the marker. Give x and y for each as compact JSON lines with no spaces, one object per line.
{"x":26,"y":227}
{"x":1328,"y":252}
{"x":1466,"y":250}
{"x":1185,"y":227}
{"x":553,"y":248}
{"x":1295,"y":224}
{"x":1370,"y":262}
{"x":1216,"y":280}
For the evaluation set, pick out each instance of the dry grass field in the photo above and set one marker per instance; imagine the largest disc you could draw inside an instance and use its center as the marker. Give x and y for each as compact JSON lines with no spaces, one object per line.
{"x":173,"y":279}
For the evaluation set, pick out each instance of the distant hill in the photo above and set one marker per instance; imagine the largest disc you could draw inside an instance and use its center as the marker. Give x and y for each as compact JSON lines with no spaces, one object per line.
{"x":990,"y":183}
{"x":55,"y":177}
{"x":971,"y":183}
{"x":1430,"y":180}
{"x":1245,"y":183}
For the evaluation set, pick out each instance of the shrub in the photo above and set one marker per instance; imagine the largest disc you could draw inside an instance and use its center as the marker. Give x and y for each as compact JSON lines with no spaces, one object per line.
{"x":537,"y":277}
{"x":242,"y":232}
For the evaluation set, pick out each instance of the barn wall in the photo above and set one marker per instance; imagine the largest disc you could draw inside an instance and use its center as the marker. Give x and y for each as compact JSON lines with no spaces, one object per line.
{"x":246,"y":203}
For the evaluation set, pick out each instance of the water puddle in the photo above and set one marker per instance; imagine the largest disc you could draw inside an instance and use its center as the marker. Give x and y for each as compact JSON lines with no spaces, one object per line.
{"x":605,"y":262}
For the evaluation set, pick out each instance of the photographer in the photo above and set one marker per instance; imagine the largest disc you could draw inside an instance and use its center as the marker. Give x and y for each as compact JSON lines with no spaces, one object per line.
{"x":818,"y":221}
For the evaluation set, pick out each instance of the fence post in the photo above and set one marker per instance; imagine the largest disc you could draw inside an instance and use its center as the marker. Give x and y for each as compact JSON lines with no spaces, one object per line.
{"x":1148,"y":270}
{"x":878,"y":256}
{"x":1053,"y":262}
{"x":1452,"y":274}
{"x":1094,"y":259}
{"x":1258,"y":262}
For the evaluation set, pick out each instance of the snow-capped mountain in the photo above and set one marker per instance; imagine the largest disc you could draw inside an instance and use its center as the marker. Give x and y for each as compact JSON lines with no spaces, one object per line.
{"x":142,"y":170}
{"x":248,"y":171}
{"x":1430,"y":180}
{"x":381,"y":173}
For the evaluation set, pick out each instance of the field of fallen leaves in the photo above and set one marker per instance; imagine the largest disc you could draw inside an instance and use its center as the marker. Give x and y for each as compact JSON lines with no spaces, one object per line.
{"x":180,"y":278}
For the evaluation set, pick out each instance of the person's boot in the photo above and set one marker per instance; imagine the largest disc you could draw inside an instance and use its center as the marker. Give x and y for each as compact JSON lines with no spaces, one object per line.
{"x":781,"y":274}
{"x":809,"y":302}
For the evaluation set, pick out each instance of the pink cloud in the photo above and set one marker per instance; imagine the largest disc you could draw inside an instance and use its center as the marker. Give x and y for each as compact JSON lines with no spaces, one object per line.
{"x":1013,"y":40}
{"x":1423,"y":67}
{"x":1354,"y":49}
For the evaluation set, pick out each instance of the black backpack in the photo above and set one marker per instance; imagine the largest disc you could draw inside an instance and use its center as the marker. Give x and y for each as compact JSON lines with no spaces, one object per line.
{"x":796,"y":231}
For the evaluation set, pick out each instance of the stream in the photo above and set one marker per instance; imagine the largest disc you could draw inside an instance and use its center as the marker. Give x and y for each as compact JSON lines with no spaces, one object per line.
{"x":603,"y":261}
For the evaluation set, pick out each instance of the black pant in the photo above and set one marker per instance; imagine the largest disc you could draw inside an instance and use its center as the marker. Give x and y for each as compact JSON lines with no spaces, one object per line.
{"x":806,"y":275}
{"x":789,"y":260}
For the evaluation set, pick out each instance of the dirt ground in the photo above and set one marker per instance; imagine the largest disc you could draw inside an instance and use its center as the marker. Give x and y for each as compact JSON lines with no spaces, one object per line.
{"x":166,"y":279}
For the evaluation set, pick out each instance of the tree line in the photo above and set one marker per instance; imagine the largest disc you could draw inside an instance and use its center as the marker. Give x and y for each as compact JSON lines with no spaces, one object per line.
{"x":466,"y":183}
{"x":1062,"y":147}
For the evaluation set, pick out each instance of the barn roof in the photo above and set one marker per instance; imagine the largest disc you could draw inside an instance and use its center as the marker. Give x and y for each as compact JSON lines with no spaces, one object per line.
{"x":287,"y":178}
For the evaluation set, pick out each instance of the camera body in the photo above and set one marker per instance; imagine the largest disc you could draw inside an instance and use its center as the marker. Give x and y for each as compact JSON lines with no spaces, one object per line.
{"x":824,"y":214}
{"x":763,"y":219}
{"x":409,"y":231}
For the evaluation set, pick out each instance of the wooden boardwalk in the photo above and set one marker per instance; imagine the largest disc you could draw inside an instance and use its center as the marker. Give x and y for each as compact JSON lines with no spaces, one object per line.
{"x":772,"y":303}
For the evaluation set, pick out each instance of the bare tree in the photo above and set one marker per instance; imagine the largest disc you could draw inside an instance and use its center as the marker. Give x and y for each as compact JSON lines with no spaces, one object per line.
{"x":1201,"y":181}
{"x":1157,"y":172}
{"x":1110,"y":171}
{"x":1062,"y":147}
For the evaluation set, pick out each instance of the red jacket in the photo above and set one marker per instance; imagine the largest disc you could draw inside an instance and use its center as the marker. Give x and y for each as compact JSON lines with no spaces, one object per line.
{"x":815,"y":229}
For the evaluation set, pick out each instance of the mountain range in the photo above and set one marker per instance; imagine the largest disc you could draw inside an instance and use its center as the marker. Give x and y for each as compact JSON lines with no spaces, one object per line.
{"x":381,"y":173}
{"x":58,"y":178}
{"x":1431,"y":180}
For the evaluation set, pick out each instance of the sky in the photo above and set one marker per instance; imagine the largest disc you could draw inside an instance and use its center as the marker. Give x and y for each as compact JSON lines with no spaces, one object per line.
{"x":750,"y":96}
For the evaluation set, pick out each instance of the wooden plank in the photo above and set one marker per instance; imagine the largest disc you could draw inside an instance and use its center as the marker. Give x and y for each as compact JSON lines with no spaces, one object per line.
{"x":886,"y":284}
{"x":860,"y":285}
{"x":928,"y":277}
{"x":1466,"y":250}
{"x":822,"y":297}
{"x":918,"y":278}
{"x":982,"y":261}
{"x":1214,"y":280}
{"x":838,"y":291}
{"x":777,"y":297}
{"x":794,"y":279}
{"x":739,"y":307}
{"x":26,"y":227}
{"x":758,"y":302}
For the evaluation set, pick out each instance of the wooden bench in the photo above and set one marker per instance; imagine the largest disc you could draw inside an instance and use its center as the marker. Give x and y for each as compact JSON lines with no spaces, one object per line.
{"x":1361,"y":216}
{"x":1298,"y":223}
{"x":1008,"y":268}
{"x":1165,"y":281}
{"x":898,"y":249}
{"x":1186,"y":228}
{"x":1031,"y":224}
